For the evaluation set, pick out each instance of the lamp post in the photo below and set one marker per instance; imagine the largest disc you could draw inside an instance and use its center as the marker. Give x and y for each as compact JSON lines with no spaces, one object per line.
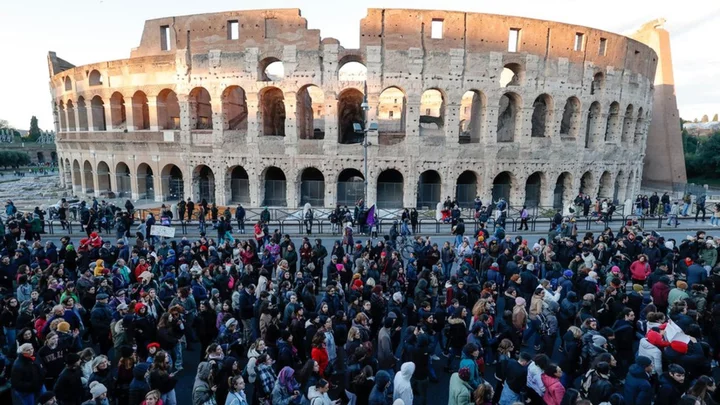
{"x":364,"y":129}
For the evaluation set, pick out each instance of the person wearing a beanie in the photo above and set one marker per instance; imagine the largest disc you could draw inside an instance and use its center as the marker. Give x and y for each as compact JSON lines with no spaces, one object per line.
{"x":460,"y":389}
{"x":638,"y":389}
{"x":27,"y":376}
{"x":69,"y":388}
{"x":679,"y":293}
{"x":47,"y":398}
{"x":102,"y":374}
{"x":98,"y":391}
{"x":138,"y":386}
{"x":672,"y":385}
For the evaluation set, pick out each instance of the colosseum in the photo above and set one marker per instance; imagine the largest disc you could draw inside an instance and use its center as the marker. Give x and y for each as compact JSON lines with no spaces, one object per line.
{"x":254,"y":107}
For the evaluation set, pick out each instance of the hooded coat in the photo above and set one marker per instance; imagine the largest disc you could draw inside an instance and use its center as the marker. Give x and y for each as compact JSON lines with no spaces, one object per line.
{"x":459,"y":391}
{"x":69,"y":388}
{"x":316,"y":398}
{"x":201,"y":392}
{"x":139,"y":386}
{"x":377,"y":395}
{"x":638,"y":390}
{"x":401,"y":384}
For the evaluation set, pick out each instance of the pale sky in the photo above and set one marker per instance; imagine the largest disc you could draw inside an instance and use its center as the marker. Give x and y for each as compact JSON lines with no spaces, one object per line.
{"x":87,"y":31}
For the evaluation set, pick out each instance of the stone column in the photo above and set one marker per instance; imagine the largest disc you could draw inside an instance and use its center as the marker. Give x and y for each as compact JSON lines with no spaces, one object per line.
{"x":410,"y":190}
{"x":490,"y":137}
{"x":129,"y":113}
{"x":134,"y":188}
{"x":412,"y":119}
{"x":76,"y":113}
{"x":218,"y":120}
{"x":108,"y":117}
{"x":373,"y":138}
{"x":253,"y":120}
{"x":523,"y":125}
{"x":330,"y":190}
{"x":371,"y":197}
{"x":221,"y":191}
{"x":89,"y":113}
{"x":332,"y":125}
{"x":291,"y":133}
{"x":61,"y":171}
{"x":187,"y":122}
{"x":153,"y":113}
{"x":452,"y":123}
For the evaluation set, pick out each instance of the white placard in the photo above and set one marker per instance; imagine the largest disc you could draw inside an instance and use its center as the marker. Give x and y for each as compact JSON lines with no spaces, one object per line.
{"x":165,"y":231}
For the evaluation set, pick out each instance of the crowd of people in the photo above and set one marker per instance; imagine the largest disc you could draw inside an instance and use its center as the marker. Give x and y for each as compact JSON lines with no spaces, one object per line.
{"x":615,"y":317}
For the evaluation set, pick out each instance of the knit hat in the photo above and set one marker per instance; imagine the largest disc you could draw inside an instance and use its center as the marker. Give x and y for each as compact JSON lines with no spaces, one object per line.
{"x":568,"y":273}
{"x":681,"y":285}
{"x":71,"y":358}
{"x":97,"y":389}
{"x":46,"y":397}
{"x":397,"y":296}
{"x":464,"y":374}
{"x":63,"y":327}
{"x":615,"y":269}
{"x":122,"y":307}
{"x":230,"y":322}
{"x":688,"y":261}
{"x":214,"y":291}
{"x":102,"y":296}
{"x":519,"y":301}
{"x":495,"y":266}
{"x":637,"y":288}
{"x":138,"y":307}
{"x":643,"y":361}
{"x":599,"y":340}
{"x":530,"y":267}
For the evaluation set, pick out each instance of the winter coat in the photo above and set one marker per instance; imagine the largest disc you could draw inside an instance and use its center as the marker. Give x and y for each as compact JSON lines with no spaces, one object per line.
{"x":27,"y":376}
{"x":652,"y":352}
{"x":554,"y":390}
{"x":139,"y":386}
{"x":317,"y":398}
{"x":696,"y":274}
{"x":475,"y":378}
{"x":385,"y":356}
{"x":659,"y":293}
{"x":401,"y":384}
{"x":677,"y":294}
{"x":638,"y":390}
{"x":201,"y":392}
{"x":377,"y":395}
{"x":639,"y":270}
{"x":69,"y":387}
{"x":460,"y":391}
{"x":669,"y":391}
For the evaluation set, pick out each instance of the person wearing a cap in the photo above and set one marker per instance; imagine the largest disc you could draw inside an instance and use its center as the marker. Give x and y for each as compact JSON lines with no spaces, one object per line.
{"x":69,"y":387}
{"x":101,"y":316}
{"x":638,"y":389}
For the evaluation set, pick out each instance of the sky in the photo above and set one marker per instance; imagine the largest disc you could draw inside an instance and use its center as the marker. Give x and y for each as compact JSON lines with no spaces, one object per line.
{"x":88,"y":31}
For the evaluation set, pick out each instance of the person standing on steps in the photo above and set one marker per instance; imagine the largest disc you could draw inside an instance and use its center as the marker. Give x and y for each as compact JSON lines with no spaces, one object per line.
{"x":190,"y":208}
{"x":240,"y":218}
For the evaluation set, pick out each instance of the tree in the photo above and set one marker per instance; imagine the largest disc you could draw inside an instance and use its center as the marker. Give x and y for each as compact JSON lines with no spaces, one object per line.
{"x":715,"y":118}
{"x":34,"y":132}
{"x":705,"y":118}
{"x":4,"y":124}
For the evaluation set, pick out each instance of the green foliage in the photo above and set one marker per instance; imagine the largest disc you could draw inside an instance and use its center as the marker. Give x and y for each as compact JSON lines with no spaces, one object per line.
{"x":34,"y":132}
{"x":702,"y":155}
{"x":13,"y":159}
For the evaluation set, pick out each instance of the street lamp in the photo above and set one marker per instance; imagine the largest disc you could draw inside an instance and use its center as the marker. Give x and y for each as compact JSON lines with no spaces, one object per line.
{"x":358,"y":129}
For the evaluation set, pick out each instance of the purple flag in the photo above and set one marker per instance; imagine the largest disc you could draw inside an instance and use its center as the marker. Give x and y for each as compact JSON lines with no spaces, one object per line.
{"x":371,"y":216}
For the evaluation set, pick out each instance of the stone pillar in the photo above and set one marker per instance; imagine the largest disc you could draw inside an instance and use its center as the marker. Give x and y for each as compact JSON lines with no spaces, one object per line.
{"x":76,"y":113}
{"x":218,"y":121}
{"x":253,"y":119}
{"x":371,"y":197}
{"x":330,"y":189}
{"x":89,"y":113}
{"x":291,"y":133}
{"x":129,"y":114}
{"x":134,"y":188}
{"x":517,"y":192}
{"x":449,"y":182}
{"x":452,"y":123}
{"x":371,"y":116}
{"x":256,"y":190}
{"x":187,"y":122}
{"x":523,"y":125}
{"x":153,"y":113}
{"x":412,"y":119}
{"x":332,"y":126}
{"x":410,"y":190}
{"x":108,"y":117}
{"x":547,"y":190}
{"x":221,"y":190}
{"x":490,"y":137}
{"x":61,"y":171}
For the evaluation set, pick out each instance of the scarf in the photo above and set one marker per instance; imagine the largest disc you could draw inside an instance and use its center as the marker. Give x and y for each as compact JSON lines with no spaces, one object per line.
{"x":29,"y":357}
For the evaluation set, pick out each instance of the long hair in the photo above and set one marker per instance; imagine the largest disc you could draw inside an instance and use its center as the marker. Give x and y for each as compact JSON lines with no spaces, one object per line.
{"x":160,"y":362}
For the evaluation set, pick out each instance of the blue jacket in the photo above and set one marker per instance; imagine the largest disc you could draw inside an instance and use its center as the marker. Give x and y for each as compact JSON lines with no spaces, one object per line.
{"x":696,"y":274}
{"x":377,"y":395}
{"x":638,"y":390}
{"x":470,"y":363}
{"x":199,"y":291}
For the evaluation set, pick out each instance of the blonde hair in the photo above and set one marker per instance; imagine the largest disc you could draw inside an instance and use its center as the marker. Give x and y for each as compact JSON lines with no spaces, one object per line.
{"x":352,"y":333}
{"x":577,"y":333}
{"x":479,"y":307}
{"x":153,"y":393}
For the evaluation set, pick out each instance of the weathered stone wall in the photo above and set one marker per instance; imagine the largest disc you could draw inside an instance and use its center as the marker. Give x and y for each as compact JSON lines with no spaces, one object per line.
{"x":128,"y":127}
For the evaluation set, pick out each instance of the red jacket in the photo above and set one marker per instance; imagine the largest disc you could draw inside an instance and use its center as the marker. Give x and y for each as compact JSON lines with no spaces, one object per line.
{"x":554,"y":390}
{"x":321,"y":356}
{"x":639,"y":270}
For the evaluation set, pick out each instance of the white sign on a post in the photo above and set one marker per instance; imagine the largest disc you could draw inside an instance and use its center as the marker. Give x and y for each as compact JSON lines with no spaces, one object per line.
{"x":164,"y":231}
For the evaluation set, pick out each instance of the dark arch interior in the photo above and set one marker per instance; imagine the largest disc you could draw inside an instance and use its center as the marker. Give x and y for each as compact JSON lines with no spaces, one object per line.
{"x":390,"y":176}
{"x":349,"y":112}
{"x":350,"y":175}
{"x":274,"y":173}
{"x":429,"y":189}
{"x":239,"y":173}
{"x":430,"y":176}
{"x":350,"y":187}
{"x":313,"y":174}
{"x":532,"y":190}
{"x":312,"y":187}
{"x":390,"y":189}
{"x":501,"y":187}
{"x":275,"y":187}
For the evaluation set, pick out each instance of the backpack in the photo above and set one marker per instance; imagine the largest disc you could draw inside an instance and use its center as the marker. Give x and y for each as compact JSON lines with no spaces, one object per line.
{"x":544,"y":325}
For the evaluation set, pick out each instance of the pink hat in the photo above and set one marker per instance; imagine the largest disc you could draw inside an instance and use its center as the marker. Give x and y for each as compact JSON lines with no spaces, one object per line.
{"x":519,"y":301}
{"x":615,"y":269}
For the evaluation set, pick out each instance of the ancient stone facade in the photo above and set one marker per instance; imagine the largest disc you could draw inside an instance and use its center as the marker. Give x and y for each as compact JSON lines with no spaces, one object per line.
{"x":218,"y":106}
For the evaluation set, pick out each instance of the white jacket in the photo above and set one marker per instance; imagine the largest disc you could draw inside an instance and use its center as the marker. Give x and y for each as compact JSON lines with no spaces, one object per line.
{"x":401,"y":384}
{"x":652,"y":352}
{"x":317,"y":398}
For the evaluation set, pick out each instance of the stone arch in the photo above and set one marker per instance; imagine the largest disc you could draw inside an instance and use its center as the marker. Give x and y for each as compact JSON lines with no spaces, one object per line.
{"x":200,"y":109}
{"x":274,"y":186}
{"x":639,"y":124}
{"x":271,"y":69}
{"x":563,"y":193}
{"x":627,"y":128}
{"x":613,"y":121}
{"x":68,"y":83}
{"x":82,"y":114}
{"x":203,"y":182}
{"x":606,"y":185}
{"x":97,"y":107}
{"x":168,"y":110}
{"x":239,"y":185}
{"x":619,"y":187}
{"x":310,"y":112}
{"x":146,"y":182}
{"x":350,"y":187}
{"x":592,"y":121}
{"x":118,"y":116}
{"x":173,"y":183}
{"x":513,"y":74}
{"x":88,"y":176}
{"x":392,"y":113}
{"x":350,"y":112}
{"x":570,"y":124}
{"x":95,"y":78}
{"x":140,"y":111}
{"x":534,"y":189}
{"x":542,"y":117}
{"x":76,"y":177}
{"x":508,"y":117}
{"x":103,"y":175}
{"x":503,"y":184}
{"x":598,"y":83}
{"x":312,"y":187}
{"x":429,"y":189}
{"x":63,"y":117}
{"x":123,"y":186}
{"x":352,"y":69}
{"x":272,"y":111}
{"x":629,"y":192}
{"x":473,"y":110}
{"x":71,"y":116}
{"x":587,"y":184}
{"x":390,"y":189}
{"x":432,"y":112}
{"x":466,"y":188}
{"x":235,"y":111}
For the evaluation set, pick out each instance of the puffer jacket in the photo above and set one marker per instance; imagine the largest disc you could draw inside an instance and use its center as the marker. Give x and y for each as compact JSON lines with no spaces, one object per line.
{"x":377,"y":395}
{"x":201,"y":392}
{"x":638,"y":390}
{"x":652,"y":352}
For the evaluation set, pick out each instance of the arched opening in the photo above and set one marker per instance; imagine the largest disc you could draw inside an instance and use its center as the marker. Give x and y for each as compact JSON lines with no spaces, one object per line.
{"x":542,"y":116}
{"x":639,"y":126}
{"x":630,"y":190}
{"x":512,"y":74}
{"x":628,"y":129}
{"x":563,"y":192}
{"x":71,"y":116}
{"x":275,"y":187}
{"x":95,"y":78}
{"x":140,"y":111}
{"x":271,"y":70}
{"x":352,"y":72}
{"x":598,"y":83}
{"x":53,"y":157}
{"x":68,"y":84}
{"x":239,"y":185}
{"x":428,"y":192}
{"x":272,"y":111}
{"x":502,"y":184}
{"x":466,"y":189}
{"x":620,"y":186}
{"x":312,"y":187}
{"x":82,"y":114}
{"x":592,"y":121}
{"x":235,"y":109}
{"x":349,"y":112}
{"x":204,"y":183}
{"x":350,"y":187}
{"x":88,"y":176}
{"x":587,"y":184}
{"x":390,"y":189}
{"x":146,"y":183}
{"x":41,"y":157}
{"x":432,"y":113}
{"x":173,"y":183}
{"x":122,"y":180}
{"x":200,"y":109}
{"x":570,"y":125}
{"x":168,"y":110}
{"x":63,"y":117}
{"x":533,"y":190}
{"x":391,"y":116}
{"x":103,"y":174}
{"x":508,"y":117}
{"x":118,"y":117}
{"x":613,"y":121}
{"x":606,"y":189}
{"x":98,"y":114}
{"x":310,"y":113}
{"x":472,"y":116}
{"x":76,"y":177}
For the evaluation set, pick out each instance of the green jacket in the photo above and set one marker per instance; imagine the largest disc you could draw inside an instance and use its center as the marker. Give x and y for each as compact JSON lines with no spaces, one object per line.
{"x":675,"y":295}
{"x":710,"y":256}
{"x":36,"y":225}
{"x":459,"y":391}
